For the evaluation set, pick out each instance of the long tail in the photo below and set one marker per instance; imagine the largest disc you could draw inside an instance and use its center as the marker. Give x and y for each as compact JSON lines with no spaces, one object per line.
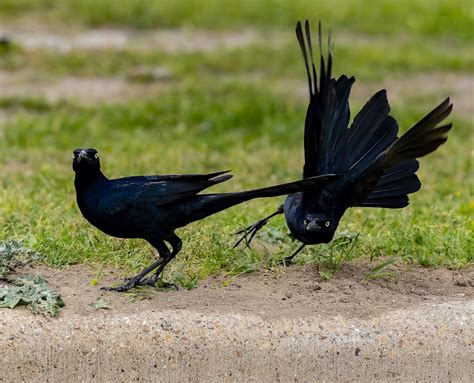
{"x":208,"y":204}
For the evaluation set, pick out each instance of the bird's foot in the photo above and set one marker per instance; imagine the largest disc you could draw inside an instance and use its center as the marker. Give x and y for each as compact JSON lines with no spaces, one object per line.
{"x":129,"y":284}
{"x":158,"y":283}
{"x":250,"y":232}
{"x":287,"y":261}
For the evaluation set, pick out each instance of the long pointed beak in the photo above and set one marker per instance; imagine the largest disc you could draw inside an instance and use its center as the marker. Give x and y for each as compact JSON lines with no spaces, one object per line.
{"x":313,"y":226}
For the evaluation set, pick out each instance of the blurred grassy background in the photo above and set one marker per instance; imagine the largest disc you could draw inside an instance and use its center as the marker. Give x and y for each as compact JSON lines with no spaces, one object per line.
{"x":237,"y":103}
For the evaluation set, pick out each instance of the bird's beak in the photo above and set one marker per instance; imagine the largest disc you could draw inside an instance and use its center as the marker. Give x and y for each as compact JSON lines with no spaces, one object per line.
{"x":82,"y":155}
{"x":313,"y":226}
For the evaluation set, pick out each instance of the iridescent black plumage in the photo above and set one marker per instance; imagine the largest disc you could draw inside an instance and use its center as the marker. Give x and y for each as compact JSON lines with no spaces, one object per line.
{"x":153,"y":207}
{"x":378,"y":169}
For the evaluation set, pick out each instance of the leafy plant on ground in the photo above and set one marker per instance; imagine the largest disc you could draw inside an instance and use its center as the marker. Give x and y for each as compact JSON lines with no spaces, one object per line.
{"x":186,"y":281}
{"x":28,"y":290}
{"x":14,"y":254}
{"x":33,"y":292}
{"x":101,"y":304}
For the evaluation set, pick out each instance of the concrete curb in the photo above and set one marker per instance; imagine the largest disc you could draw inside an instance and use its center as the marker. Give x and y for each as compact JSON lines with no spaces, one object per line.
{"x":431,"y":342}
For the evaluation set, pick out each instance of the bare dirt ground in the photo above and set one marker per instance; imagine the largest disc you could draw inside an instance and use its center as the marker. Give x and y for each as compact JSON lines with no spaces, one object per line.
{"x":458,"y":86}
{"x":90,"y":90}
{"x":292,"y":292}
{"x":86,"y":90}
{"x":166,"y":40}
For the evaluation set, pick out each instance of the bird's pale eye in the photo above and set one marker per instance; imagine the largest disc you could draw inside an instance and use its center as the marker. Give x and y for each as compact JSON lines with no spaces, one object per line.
{"x":96,"y":155}
{"x":327,"y":224}
{"x":306,"y":222}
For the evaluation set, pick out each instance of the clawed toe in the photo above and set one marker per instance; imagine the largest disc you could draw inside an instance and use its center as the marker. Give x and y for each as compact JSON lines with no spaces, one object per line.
{"x":166,"y":285}
{"x":287,"y":261}
{"x":153,"y":282}
{"x":249,"y":233}
{"x":129,"y":283}
{"x":120,"y":289}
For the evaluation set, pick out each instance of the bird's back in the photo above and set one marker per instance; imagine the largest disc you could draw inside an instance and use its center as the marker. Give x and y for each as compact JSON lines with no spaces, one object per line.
{"x":135,"y":207}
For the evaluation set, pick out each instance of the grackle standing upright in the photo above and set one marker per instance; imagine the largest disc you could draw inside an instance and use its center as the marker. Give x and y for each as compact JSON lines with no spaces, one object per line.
{"x":152,"y":207}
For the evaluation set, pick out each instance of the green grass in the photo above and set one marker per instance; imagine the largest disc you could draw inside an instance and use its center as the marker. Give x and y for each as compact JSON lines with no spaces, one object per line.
{"x":428,"y":17}
{"x":368,"y":58}
{"x":226,"y":110}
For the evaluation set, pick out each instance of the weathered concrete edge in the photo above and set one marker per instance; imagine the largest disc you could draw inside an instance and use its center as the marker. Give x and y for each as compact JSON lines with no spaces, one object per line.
{"x":432,"y":342}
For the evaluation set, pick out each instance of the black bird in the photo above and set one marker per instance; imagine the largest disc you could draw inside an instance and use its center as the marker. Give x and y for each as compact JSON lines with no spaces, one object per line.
{"x":378,"y":168}
{"x":152,"y":207}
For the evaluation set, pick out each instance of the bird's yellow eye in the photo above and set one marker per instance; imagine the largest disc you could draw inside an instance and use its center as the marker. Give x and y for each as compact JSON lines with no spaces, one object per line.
{"x":96,"y":155}
{"x":327,"y":224}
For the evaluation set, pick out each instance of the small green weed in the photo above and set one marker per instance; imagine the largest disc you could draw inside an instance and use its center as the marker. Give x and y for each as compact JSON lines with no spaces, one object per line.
{"x":101,"y":304}
{"x":33,"y":292}
{"x":380,"y":271}
{"x":14,"y":254}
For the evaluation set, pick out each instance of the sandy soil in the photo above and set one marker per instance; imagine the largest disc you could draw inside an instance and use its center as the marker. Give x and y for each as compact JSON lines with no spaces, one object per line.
{"x":291,"y":292}
{"x":115,"y":89}
{"x":90,"y":90}
{"x":85,"y":90}
{"x":167,"y":40}
{"x":458,"y":86}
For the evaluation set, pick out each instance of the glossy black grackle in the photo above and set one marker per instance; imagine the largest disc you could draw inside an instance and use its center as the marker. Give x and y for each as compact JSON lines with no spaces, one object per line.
{"x":152,"y":207}
{"x":378,"y":167}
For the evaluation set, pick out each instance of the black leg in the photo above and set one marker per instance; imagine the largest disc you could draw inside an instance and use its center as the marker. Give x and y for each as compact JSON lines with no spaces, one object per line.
{"x":176,"y":245}
{"x":253,"y":229}
{"x":132,"y":282}
{"x":289,"y":259}
{"x":138,"y":279}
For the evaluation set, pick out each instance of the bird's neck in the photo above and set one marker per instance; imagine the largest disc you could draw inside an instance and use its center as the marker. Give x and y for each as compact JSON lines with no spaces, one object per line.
{"x":85,"y":179}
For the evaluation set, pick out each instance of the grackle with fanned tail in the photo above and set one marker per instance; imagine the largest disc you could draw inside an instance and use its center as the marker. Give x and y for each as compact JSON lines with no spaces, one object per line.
{"x":378,"y":168}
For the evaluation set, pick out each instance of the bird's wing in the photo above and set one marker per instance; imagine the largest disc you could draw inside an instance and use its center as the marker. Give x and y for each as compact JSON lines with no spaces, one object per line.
{"x":133,"y":192}
{"x":328,"y":111}
{"x":387,"y":174}
{"x":180,"y":177}
{"x":330,"y":145}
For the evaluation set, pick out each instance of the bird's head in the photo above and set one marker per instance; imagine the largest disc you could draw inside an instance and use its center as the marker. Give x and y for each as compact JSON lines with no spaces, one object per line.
{"x":319,"y":227}
{"x":85,"y":161}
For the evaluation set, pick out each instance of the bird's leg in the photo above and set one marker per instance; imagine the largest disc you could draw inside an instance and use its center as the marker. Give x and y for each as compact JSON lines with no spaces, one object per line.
{"x":176,"y":245}
{"x":289,"y":259}
{"x":130,"y":283}
{"x":253,"y":229}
